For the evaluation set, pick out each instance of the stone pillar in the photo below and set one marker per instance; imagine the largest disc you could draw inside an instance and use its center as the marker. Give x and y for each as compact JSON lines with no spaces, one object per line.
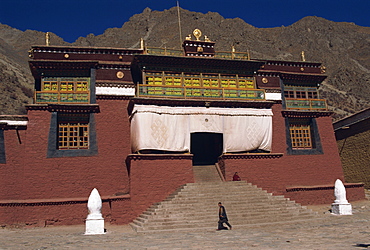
{"x":95,"y":220}
{"x":340,"y":205}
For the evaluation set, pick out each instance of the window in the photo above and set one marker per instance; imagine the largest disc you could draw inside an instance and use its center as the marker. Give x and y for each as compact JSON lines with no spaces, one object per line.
{"x":191,"y":80}
{"x":198,"y":80}
{"x":303,"y":98}
{"x":300,"y":92}
{"x":154,"y":78}
{"x":300,"y":135}
{"x":72,"y":135}
{"x":73,"y":131}
{"x":303,"y":136}
{"x":64,"y":90}
{"x":246,"y":82}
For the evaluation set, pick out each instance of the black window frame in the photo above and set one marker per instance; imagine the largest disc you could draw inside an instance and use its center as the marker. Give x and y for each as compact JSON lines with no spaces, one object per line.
{"x":53,"y":151}
{"x":315,"y":137}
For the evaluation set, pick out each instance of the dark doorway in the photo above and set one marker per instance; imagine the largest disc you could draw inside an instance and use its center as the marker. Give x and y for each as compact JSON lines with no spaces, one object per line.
{"x":206,"y":147}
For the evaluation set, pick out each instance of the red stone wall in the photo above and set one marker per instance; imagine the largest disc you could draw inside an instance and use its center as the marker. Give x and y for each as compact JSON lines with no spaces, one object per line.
{"x":29,"y":174}
{"x":277,"y":174}
{"x":115,"y":212}
{"x":154,"y":177}
{"x":325,"y":194}
{"x":11,"y":173}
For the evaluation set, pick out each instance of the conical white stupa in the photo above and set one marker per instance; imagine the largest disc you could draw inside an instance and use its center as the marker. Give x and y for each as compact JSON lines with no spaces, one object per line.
{"x":94,"y":220}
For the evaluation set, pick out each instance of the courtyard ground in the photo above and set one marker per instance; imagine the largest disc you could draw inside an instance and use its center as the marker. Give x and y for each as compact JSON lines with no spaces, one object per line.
{"x":326,"y":232}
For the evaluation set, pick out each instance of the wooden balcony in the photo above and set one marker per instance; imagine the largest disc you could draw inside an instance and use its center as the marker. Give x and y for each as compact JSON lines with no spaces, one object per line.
{"x":306,"y":104}
{"x":162,"y":91}
{"x":42,"y":97}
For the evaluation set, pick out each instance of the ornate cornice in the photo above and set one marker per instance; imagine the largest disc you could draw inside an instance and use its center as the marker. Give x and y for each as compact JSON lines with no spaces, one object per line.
{"x":85,"y":50}
{"x":136,"y":157}
{"x":196,"y":64}
{"x":313,"y":114}
{"x":114,"y":65}
{"x":62,"y":65}
{"x":201,"y":103}
{"x":322,"y":187}
{"x":112,"y":97}
{"x":252,"y":156}
{"x":293,"y":64}
{"x":100,"y":83}
{"x":273,"y":90}
{"x":303,"y":78}
{"x":66,"y":108}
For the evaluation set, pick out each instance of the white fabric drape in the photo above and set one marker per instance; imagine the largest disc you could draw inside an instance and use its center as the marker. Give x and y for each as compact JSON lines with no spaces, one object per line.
{"x":245,"y":133}
{"x":169,"y":128}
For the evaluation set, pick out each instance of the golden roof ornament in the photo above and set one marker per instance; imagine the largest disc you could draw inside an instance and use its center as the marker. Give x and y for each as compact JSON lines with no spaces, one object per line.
{"x":188,"y":38}
{"x":302,"y":56}
{"x":323,"y":69}
{"x":142,"y":43}
{"x":197,"y":33}
{"x":206,"y":39}
{"x":47,"y":39}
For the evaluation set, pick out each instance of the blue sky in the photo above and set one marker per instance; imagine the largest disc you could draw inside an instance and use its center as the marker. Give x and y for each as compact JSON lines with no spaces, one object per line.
{"x":71,"y":19}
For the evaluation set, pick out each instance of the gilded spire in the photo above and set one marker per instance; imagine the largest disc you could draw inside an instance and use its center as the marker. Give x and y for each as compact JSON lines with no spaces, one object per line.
{"x":47,"y":39}
{"x":302,"y":56}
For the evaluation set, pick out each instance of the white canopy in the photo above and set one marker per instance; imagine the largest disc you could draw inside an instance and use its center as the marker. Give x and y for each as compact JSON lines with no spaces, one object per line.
{"x":169,"y":128}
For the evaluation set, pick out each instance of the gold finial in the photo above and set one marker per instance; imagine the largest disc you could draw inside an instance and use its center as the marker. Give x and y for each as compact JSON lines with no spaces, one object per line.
{"x":197,"y":33}
{"x":302,"y":56}
{"x":47,"y":38}
{"x":232,"y":52}
{"x":30,"y":53}
{"x":206,"y":39}
{"x":248,"y":54}
{"x":323,"y":69}
{"x":142,"y":43}
{"x":188,"y":38}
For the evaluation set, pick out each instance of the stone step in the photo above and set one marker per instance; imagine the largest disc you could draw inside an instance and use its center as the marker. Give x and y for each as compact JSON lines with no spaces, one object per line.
{"x":207,"y":216}
{"x":184,"y":203}
{"x":194,"y":205}
{"x":176,"y":225}
{"x":206,"y":174}
{"x":266,"y":213}
{"x":204,"y":193}
{"x":225,"y":199}
{"x":260,"y":209}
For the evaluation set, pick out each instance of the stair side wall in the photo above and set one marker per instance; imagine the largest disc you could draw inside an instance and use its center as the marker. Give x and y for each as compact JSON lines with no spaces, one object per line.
{"x":154,"y":177}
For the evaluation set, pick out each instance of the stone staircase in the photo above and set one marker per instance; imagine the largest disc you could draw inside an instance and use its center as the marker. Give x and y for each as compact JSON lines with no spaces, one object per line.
{"x":206,"y":173}
{"x":194,"y":206}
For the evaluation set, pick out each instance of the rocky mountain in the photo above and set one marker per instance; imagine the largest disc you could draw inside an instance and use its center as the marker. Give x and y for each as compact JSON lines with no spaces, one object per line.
{"x":343,"y":48}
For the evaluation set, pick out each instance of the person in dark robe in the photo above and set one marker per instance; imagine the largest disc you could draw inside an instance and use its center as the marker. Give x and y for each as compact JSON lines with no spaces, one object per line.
{"x":236,"y":177}
{"x":222,"y":218}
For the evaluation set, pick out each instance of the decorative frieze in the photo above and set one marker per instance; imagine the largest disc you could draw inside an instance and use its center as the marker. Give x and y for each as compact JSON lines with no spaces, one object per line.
{"x":136,"y":157}
{"x":72,"y":108}
{"x":252,"y":156}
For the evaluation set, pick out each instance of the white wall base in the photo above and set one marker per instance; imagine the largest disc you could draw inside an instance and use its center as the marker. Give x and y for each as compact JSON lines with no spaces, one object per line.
{"x":94,"y":226}
{"x":341,"y":209}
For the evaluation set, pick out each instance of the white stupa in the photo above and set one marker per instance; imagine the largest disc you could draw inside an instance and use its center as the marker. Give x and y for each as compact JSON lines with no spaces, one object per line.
{"x":95,"y":220}
{"x":340,"y":205}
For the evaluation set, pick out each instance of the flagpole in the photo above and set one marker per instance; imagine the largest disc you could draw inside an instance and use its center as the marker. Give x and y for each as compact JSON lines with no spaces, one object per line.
{"x":178,"y":14}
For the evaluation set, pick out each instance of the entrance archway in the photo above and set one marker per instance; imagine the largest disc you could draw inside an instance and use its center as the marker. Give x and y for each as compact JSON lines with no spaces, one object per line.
{"x":206,"y":147}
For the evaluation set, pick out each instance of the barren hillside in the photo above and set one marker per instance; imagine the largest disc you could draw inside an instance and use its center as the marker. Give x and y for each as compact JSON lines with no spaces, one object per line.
{"x":344,"y":48}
